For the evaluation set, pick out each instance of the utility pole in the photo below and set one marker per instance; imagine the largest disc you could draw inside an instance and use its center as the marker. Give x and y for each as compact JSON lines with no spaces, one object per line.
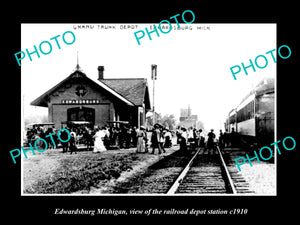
{"x":153,"y":77}
{"x":254,"y":106}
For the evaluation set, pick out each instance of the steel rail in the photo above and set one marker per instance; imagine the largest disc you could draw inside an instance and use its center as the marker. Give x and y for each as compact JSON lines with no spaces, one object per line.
{"x":179,"y":179}
{"x":227,"y":172}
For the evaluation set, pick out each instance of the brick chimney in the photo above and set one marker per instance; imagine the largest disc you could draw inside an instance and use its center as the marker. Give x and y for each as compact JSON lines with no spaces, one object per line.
{"x":100,"y":72}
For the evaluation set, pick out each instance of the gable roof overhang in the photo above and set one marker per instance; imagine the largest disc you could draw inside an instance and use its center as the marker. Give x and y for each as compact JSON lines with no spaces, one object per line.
{"x":44,"y":98}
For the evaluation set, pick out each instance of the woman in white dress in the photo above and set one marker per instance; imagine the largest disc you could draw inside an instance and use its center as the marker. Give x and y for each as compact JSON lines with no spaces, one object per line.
{"x":140,"y":141}
{"x":98,"y":144}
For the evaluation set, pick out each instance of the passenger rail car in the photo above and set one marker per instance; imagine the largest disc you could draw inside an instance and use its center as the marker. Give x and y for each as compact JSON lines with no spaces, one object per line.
{"x":253,"y":118}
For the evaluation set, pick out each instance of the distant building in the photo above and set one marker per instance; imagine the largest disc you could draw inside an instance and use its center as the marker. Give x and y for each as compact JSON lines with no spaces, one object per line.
{"x":185,"y":113}
{"x":187,"y":119}
{"x":80,"y":98}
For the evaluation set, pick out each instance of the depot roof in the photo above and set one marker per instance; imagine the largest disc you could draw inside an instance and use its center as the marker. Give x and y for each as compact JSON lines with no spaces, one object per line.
{"x":132,"y":91}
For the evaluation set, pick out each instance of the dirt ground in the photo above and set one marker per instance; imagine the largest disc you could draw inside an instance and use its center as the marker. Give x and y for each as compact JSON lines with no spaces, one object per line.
{"x":47,"y":167}
{"x":261,"y":177}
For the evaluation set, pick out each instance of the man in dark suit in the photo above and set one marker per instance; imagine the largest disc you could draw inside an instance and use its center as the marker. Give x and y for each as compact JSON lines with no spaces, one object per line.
{"x":210,"y":141}
{"x":155,"y":139}
{"x":64,"y":136}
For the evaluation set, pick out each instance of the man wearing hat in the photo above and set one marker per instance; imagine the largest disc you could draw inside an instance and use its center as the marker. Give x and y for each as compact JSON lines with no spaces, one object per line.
{"x":155,"y":138}
{"x":210,"y":141}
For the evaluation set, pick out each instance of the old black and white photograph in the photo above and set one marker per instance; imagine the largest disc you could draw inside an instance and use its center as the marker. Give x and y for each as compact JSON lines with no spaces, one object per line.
{"x":137,"y":109}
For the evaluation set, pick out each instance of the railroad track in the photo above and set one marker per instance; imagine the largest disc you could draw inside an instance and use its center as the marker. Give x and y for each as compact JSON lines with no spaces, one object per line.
{"x":204,"y":174}
{"x":190,"y":172}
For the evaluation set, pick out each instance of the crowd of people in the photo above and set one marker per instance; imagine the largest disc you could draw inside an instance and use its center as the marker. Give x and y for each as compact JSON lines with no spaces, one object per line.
{"x":161,"y":138}
{"x":99,"y":139}
{"x":36,"y":132}
{"x":195,"y":138}
{"x":190,"y":136}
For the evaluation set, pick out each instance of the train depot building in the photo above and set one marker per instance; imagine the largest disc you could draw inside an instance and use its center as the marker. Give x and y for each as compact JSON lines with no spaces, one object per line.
{"x":96,"y":102}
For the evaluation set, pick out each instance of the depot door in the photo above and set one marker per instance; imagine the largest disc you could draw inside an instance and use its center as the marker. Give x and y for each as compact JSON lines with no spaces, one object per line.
{"x":81,"y":114}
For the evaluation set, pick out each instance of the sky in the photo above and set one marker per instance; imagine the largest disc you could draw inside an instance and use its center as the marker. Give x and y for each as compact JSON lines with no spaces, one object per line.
{"x":193,"y":65}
